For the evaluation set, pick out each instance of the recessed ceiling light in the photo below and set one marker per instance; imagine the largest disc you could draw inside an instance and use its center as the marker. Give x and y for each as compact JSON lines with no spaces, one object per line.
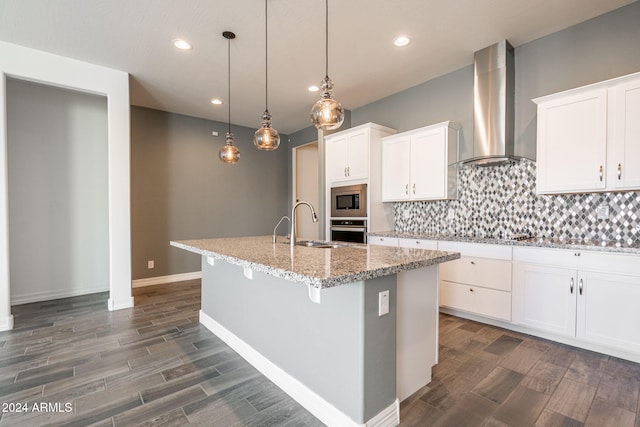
{"x":401,"y":41}
{"x":182,"y":44}
{"x":313,"y":88}
{"x":216,"y":101}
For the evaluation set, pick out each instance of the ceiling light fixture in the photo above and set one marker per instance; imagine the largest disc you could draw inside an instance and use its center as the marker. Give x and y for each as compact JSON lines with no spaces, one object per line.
{"x":401,"y":41}
{"x":327,"y":113}
{"x":216,"y":101}
{"x":266,"y":138}
{"x":313,"y":88}
{"x":182,"y":44}
{"x":229,"y":153}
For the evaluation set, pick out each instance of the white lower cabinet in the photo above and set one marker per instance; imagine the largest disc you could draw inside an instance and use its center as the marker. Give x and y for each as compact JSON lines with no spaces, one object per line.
{"x":591,"y":296}
{"x":382,"y":241}
{"x":418,"y":243}
{"x":479,"y":282}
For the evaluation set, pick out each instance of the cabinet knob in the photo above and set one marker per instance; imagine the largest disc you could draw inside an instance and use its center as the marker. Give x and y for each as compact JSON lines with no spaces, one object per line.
{"x":601,"y":173}
{"x":619,"y":171}
{"x":473,"y":263}
{"x":471,"y":290}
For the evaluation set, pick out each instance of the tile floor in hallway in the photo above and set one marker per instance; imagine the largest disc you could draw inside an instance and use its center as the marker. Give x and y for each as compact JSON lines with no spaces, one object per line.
{"x":156,"y":365}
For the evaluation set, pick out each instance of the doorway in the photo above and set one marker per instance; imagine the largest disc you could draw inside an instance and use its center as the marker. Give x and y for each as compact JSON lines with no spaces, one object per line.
{"x":58,"y":192}
{"x":306,"y":187}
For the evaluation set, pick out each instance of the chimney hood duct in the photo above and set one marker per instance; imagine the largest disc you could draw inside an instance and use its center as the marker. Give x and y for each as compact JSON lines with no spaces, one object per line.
{"x":493,"y":106}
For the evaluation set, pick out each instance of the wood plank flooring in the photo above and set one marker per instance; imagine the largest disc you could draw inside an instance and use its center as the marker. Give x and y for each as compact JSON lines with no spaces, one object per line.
{"x":155,"y":365}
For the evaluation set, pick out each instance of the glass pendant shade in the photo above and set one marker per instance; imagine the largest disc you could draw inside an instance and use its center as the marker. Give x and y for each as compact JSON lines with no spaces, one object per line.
{"x":327,"y":113}
{"x":229,"y":153}
{"x":266,"y":138}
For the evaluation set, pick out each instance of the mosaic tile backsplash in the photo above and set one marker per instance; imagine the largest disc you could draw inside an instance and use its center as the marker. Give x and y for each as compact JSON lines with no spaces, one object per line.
{"x":501,"y":201}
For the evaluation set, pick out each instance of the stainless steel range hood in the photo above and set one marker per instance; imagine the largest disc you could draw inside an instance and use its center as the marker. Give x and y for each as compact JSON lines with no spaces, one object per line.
{"x":493,"y":106}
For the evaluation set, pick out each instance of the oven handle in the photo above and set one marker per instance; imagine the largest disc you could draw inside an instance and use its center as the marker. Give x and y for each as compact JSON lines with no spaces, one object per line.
{"x":348,"y":228}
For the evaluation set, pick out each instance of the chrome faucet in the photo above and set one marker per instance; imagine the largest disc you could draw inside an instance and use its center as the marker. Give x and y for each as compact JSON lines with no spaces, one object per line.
{"x":314,"y":217}
{"x":273,"y":238}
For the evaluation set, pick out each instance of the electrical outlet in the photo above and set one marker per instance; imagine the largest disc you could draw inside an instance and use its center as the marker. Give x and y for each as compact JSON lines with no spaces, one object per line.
{"x":150,"y":264}
{"x":602,"y":212}
{"x":383,"y":303}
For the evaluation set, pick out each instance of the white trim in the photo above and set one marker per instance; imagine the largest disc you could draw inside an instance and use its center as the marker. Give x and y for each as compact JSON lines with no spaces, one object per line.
{"x":114,"y":304}
{"x":7,"y":323}
{"x":323,"y":410}
{"x":49,"y":295}
{"x":161,"y":280}
{"x":389,"y":417}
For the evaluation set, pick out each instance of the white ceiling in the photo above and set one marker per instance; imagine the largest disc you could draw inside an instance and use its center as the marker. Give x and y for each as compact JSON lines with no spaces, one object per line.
{"x":135,"y":36}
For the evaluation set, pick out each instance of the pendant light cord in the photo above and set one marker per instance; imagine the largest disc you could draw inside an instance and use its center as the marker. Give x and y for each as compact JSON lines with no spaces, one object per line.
{"x":326,"y":39}
{"x":266,"y":62}
{"x":229,"y":76}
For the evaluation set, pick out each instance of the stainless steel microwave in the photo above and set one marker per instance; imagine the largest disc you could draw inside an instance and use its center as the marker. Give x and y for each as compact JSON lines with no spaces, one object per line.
{"x":349,"y":201}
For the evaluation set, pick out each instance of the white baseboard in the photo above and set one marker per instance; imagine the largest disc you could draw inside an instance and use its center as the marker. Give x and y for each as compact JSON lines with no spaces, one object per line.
{"x":161,"y":280}
{"x":6,"y":324}
{"x":311,"y":401}
{"x":49,"y":295}
{"x":119,"y":304}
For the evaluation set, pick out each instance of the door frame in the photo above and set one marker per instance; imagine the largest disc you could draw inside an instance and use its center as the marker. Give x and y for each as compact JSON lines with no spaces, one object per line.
{"x":294,"y":183}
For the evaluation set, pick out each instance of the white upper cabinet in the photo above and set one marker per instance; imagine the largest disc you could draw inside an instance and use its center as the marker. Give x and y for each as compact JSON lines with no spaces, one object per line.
{"x":420,"y":164}
{"x":348,"y":153}
{"x":588,"y":140}
{"x":626,"y":136}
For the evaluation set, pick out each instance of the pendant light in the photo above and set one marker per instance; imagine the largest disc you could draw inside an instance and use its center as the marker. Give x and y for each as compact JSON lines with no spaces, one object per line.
{"x":266,"y":138}
{"x":229,"y":153}
{"x":327,"y":113}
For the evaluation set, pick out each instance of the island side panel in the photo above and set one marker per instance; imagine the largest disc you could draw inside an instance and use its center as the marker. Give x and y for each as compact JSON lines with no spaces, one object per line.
{"x":330,"y":347}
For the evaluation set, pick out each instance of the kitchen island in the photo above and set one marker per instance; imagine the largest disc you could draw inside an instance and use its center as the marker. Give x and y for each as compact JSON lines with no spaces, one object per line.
{"x":309,"y":319}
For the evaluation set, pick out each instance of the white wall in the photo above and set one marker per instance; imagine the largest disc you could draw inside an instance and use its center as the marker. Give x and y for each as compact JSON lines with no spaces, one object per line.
{"x":33,"y":65}
{"x":57,"y":164}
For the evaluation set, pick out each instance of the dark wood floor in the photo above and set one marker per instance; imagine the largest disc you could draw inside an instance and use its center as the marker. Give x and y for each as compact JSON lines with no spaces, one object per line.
{"x":155,"y":365}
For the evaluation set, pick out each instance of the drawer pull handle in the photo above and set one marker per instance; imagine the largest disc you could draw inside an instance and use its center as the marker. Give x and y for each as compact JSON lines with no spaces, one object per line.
{"x":471,"y":290}
{"x":473,"y":263}
{"x":580,"y":287}
{"x":576,"y":254}
{"x":619,"y":171}
{"x":414,"y":188}
{"x":571,"y":286}
{"x":406,"y":189}
{"x":417,"y":242}
{"x":601,"y":173}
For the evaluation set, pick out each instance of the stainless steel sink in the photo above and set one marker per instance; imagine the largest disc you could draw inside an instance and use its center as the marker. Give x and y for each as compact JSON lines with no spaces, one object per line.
{"x":321,"y":244}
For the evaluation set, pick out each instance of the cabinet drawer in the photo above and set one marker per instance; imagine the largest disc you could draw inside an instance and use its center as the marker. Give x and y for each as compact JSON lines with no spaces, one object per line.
{"x":481,"y":250}
{"x":581,"y":259}
{"x":382,"y":241}
{"x":485,"y":302}
{"x":418,"y":243}
{"x":474,"y":271}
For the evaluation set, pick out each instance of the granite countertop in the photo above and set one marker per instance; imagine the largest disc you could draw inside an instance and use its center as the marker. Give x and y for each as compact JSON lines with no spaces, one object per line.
{"x":317,"y":267}
{"x":540,"y":242}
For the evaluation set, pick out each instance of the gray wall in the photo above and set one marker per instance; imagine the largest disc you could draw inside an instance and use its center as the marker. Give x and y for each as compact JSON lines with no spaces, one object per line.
{"x":58,"y":203}
{"x":596,"y":50}
{"x":340,"y":349}
{"x":180,"y":190}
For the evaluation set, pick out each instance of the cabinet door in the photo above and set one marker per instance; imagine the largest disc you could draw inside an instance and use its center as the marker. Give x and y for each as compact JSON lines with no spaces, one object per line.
{"x":336,"y":166}
{"x":626,"y":138}
{"x":395,"y":168}
{"x":608,"y":310}
{"x":545,"y":298}
{"x":429,"y":165}
{"x":572,"y":138}
{"x":358,"y":155}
